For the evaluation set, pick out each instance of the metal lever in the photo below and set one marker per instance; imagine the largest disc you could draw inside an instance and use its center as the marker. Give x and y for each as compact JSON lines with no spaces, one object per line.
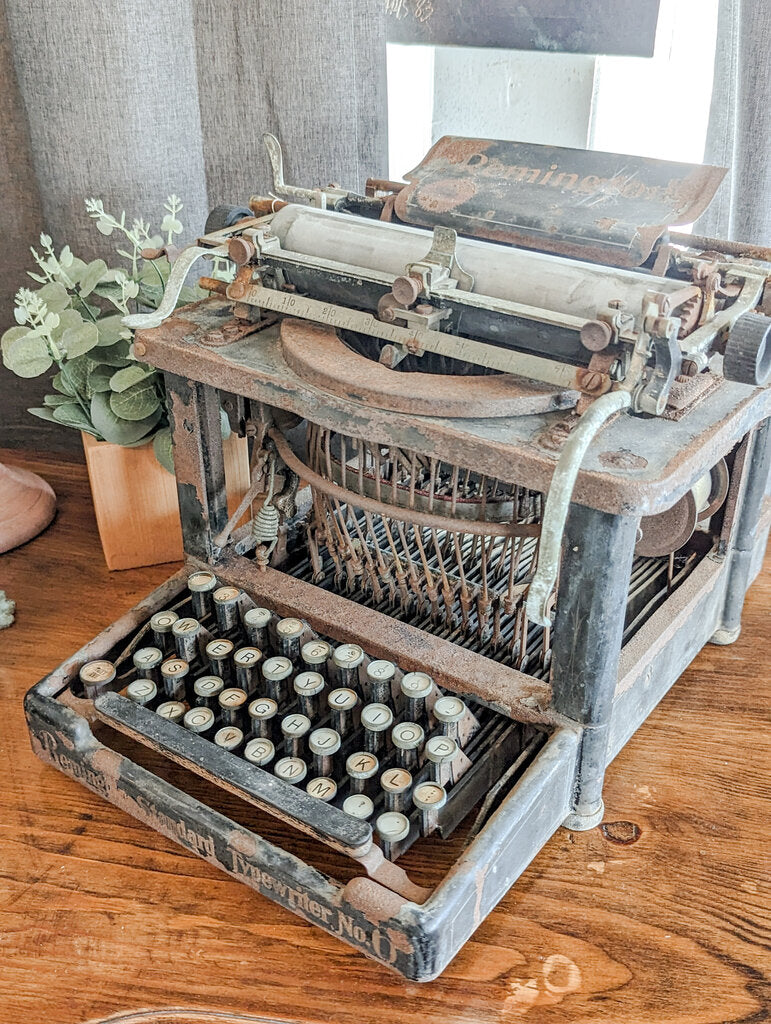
{"x":174,"y":285}
{"x":558,"y":500}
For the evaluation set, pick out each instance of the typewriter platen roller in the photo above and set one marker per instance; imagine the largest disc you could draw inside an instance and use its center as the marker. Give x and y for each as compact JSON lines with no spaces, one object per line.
{"x":509,"y":453}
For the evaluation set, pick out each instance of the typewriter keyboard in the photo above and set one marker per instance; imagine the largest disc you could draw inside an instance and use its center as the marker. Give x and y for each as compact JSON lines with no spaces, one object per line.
{"x":337,"y":744}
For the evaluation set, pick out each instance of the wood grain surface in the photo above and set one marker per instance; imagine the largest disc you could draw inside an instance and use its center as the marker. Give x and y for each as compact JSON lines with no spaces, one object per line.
{"x":661,"y":915}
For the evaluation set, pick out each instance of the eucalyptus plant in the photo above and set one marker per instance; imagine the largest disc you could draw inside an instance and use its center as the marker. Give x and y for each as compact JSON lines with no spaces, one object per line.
{"x":73,"y":321}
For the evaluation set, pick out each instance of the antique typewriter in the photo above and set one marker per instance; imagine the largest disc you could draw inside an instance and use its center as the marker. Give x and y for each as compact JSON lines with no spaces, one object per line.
{"x":509,"y":454}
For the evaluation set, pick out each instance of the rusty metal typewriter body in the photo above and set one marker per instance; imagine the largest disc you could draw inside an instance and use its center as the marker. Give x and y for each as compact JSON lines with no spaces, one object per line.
{"x":509,"y":449}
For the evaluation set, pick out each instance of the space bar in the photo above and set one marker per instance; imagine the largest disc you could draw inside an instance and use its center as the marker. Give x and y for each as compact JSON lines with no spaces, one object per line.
{"x":326,"y":823}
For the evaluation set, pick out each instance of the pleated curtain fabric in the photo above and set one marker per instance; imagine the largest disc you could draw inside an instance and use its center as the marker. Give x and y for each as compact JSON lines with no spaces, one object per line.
{"x":739,"y":134}
{"x":131,"y":100}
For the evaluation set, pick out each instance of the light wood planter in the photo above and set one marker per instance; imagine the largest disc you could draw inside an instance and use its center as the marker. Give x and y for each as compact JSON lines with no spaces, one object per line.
{"x":135,"y":500}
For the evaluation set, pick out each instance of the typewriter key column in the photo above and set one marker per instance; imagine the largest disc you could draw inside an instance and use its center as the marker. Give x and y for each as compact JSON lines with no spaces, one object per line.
{"x":294,"y":729}
{"x":291,"y":770}
{"x":256,"y":622}
{"x":199,"y":720}
{"x":323,"y":745}
{"x":246,"y":661}
{"x":206,"y":691}
{"x":288,"y":635}
{"x":309,"y":687}
{"x":262,"y":713}
{"x":378,"y":682}
{"x":342,"y":704}
{"x":429,"y":798}
{"x":276,"y":672}
{"x":160,"y":626}
{"x":358,"y":805}
{"x":142,"y":691}
{"x":322,"y":788}
{"x":586,"y":641}
{"x":174,"y":673}
{"x":417,"y":687}
{"x":218,"y":653}
{"x":230,"y":738}
{"x":232,"y":704}
{"x":187,"y":635}
{"x":376,"y":720}
{"x":172,"y":711}
{"x":347,"y":659}
{"x":97,"y":677}
{"x":147,"y":663}
{"x":202,"y":585}
{"x":449,"y":712}
{"x":392,"y":827}
{"x":259,"y":752}
{"x":226,"y":608}
{"x":408,"y":738}
{"x":361,"y":768}
{"x":396,"y":784}
{"x":315,"y":655}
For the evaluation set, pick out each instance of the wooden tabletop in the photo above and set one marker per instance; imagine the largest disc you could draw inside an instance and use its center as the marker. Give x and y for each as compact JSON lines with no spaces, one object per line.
{"x":101,"y":916}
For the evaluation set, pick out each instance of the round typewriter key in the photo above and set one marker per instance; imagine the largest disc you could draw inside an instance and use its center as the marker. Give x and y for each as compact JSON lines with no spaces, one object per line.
{"x":324,"y":744}
{"x":262,"y":713}
{"x":322,"y":789}
{"x":173,"y":677}
{"x":441,"y":751}
{"x":342,"y":703}
{"x":376,"y":720}
{"x":416,"y":686}
{"x":359,"y":806}
{"x":347,"y":659}
{"x":246,"y":660}
{"x":379,"y":677}
{"x":309,"y":686}
{"x":226,"y":608}
{"x":393,"y":827}
{"x":96,"y":677}
{"x":218,"y":652}
{"x":361,"y":767}
{"x":186,"y":633}
{"x":229,"y":737}
{"x":256,"y":622}
{"x":291,"y":770}
{"x":276,"y":673}
{"x":259,"y":752}
{"x":147,"y":662}
{"x":201,"y":584}
{"x":396,"y":784}
{"x":315,"y":655}
{"x":294,"y":729}
{"x":429,"y":798}
{"x":161,"y":624}
{"x":449,"y":712}
{"x":232,"y":703}
{"x":288,"y":634}
{"x":199,"y":720}
{"x":142,"y":691}
{"x":172,"y":710}
{"x":206,"y":691}
{"x":408,"y":738}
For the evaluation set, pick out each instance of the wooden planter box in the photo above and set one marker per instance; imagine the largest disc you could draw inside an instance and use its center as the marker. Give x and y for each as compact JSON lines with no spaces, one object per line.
{"x":135,"y":500}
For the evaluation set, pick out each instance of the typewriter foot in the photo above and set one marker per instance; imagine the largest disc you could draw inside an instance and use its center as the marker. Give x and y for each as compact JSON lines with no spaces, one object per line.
{"x":724,"y":637}
{"x":584,"y":822}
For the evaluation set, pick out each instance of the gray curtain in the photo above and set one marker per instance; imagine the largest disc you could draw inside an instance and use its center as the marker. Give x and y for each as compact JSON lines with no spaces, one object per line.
{"x":131,"y":100}
{"x":739,"y":135}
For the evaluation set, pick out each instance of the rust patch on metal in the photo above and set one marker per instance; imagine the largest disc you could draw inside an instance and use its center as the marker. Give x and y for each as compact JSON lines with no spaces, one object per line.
{"x":447,"y":195}
{"x":622,"y":833}
{"x":622,"y":459}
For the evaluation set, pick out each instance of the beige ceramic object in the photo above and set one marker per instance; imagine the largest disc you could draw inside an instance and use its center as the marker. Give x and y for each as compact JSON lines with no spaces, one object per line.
{"x":27,"y":506}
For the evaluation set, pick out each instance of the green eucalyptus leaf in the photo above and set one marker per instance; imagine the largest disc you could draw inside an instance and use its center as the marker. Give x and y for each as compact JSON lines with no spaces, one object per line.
{"x":116,"y":429}
{"x":43,"y":413}
{"x":111,"y":330}
{"x":163,"y":448}
{"x":116,"y":355}
{"x":123,"y":379}
{"x":75,"y":373}
{"x":98,"y":379}
{"x":55,"y":296}
{"x":150,"y":295}
{"x":27,"y":356}
{"x":91,"y":276}
{"x":79,"y":340}
{"x":11,"y":335}
{"x":136,"y":402}
{"x":72,"y":415}
{"x":63,"y":385}
{"x":77,"y":267}
{"x":69,"y":319}
{"x":53,"y":400}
